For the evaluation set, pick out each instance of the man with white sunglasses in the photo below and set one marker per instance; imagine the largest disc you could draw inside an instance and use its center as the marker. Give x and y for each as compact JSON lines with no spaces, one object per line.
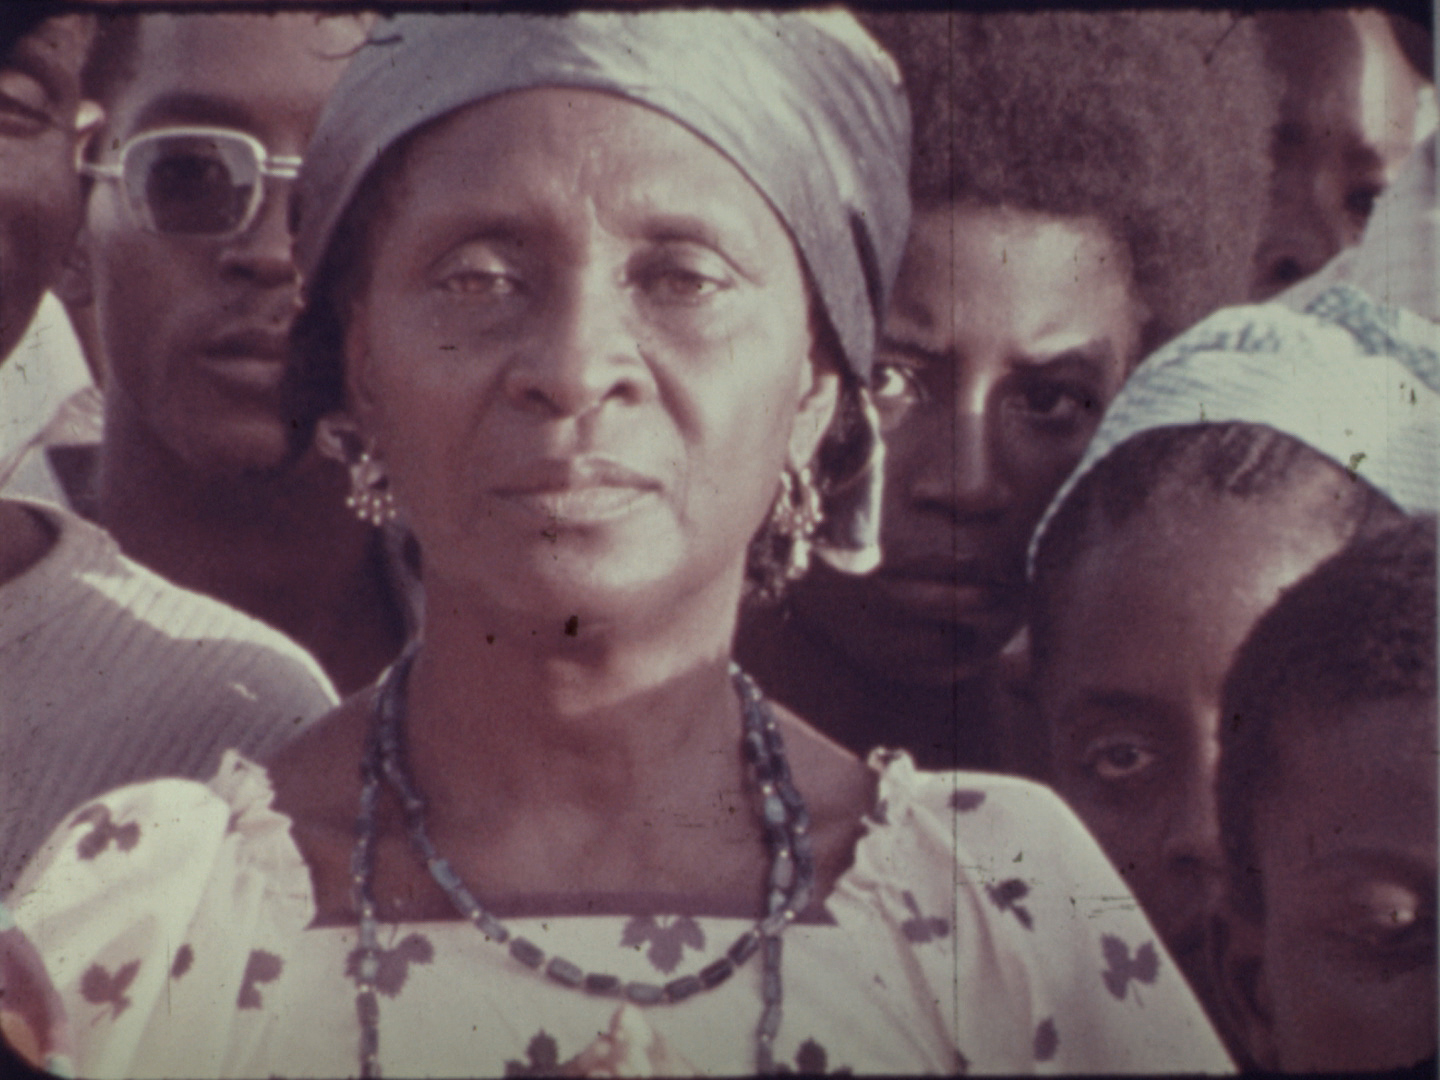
{"x":183,"y":272}
{"x":109,"y":673}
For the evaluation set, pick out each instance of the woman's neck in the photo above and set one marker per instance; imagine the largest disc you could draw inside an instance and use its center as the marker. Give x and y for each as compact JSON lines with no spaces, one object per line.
{"x":597,"y":718}
{"x":557,"y":770}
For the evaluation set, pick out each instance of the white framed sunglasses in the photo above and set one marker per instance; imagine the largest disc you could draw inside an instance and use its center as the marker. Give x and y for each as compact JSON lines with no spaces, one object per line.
{"x":195,"y":181}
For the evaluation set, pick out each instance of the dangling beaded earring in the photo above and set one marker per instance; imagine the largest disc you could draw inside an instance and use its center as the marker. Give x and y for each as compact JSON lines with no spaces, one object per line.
{"x":370,"y":496}
{"x":798,"y":513}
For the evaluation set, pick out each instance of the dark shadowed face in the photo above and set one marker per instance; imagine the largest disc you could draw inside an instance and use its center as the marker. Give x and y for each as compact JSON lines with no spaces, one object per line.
{"x":1008,"y":334}
{"x":194,"y":328}
{"x":1346,"y":849}
{"x":584,"y":354}
{"x":1143,"y":628}
{"x":39,"y":194}
{"x":1347,"y":123}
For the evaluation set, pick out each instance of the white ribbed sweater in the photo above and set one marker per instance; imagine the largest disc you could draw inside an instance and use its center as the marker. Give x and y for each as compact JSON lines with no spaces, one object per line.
{"x":110,"y":674}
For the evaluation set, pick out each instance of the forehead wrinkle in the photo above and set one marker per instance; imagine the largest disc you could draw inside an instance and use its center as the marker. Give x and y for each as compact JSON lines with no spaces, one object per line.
{"x":631,"y":184}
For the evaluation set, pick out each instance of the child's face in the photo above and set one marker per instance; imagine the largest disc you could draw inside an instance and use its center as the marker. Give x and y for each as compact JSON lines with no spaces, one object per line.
{"x":1346,"y":850}
{"x":1145,"y":625}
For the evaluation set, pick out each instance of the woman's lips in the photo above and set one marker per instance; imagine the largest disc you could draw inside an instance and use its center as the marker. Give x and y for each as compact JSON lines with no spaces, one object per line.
{"x":581,"y":492}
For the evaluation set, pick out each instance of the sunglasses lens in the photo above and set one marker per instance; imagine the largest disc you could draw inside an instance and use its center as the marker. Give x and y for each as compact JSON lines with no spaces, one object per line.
{"x":200,"y":185}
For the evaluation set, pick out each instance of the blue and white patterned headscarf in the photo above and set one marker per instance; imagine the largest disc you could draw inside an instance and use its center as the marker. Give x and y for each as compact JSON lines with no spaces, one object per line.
{"x":1353,"y":379}
{"x":805,"y":104}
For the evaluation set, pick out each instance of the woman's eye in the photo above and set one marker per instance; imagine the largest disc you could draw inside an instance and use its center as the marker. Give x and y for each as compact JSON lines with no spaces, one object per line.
{"x":1118,"y":758}
{"x":895,"y":386}
{"x":670,"y":284}
{"x":1054,"y":402}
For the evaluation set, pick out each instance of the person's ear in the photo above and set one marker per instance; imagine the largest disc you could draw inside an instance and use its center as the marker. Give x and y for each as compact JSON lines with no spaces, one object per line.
{"x":819,"y":398}
{"x":338,"y":438}
{"x":361,"y":401}
{"x":1237,"y":961}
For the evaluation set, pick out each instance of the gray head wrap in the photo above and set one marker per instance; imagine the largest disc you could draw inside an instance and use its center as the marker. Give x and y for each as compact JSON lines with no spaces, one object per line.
{"x":805,"y":104}
{"x":1351,"y":378}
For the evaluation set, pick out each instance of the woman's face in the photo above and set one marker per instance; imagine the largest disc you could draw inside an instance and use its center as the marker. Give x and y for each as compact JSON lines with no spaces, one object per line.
{"x":1007,"y":335}
{"x":1143,"y":628}
{"x":584,"y":354}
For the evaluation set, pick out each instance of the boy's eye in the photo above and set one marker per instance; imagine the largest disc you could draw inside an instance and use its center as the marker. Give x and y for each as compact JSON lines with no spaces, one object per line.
{"x":1387,"y":916}
{"x":1118,"y":758}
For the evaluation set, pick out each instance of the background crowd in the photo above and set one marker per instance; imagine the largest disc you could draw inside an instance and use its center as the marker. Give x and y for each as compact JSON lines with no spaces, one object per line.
{"x":1031,"y":404}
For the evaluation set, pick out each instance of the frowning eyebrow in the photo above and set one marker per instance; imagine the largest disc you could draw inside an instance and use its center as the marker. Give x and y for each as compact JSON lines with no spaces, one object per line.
{"x":1087,"y":360}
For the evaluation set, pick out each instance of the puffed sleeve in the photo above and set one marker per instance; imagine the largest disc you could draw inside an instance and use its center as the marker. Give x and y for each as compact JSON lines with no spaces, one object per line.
{"x":137,"y":889}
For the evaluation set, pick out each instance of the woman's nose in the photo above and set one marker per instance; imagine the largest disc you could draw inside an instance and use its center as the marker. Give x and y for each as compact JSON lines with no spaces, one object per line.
{"x":585,"y":354}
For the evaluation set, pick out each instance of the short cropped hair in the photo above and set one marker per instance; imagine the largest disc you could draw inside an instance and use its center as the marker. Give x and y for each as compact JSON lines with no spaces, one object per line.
{"x":1359,"y":628}
{"x":1156,"y":123}
{"x":1229,"y":460}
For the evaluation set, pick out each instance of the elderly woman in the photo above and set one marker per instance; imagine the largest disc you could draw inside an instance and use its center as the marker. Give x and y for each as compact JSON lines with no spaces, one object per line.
{"x":591,"y":311}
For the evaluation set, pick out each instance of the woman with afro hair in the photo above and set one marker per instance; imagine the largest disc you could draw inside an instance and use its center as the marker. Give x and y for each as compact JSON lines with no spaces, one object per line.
{"x":1086,"y":186}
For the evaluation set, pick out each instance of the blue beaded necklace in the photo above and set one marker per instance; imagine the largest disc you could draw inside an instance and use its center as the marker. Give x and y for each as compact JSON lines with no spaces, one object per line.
{"x":791,"y":879}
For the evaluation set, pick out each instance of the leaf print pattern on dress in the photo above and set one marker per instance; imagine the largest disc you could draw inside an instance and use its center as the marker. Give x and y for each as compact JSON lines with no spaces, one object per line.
{"x":1007,"y":896}
{"x":1121,"y":967}
{"x":99,"y":987}
{"x":184,"y":957}
{"x":1047,"y":1039}
{"x":668,"y":940}
{"x":964,"y":801}
{"x":919,"y":929}
{"x":812,"y":1060}
{"x":99,"y":838}
{"x":262,"y":967}
{"x":543,"y":1056}
{"x":395,"y":963}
